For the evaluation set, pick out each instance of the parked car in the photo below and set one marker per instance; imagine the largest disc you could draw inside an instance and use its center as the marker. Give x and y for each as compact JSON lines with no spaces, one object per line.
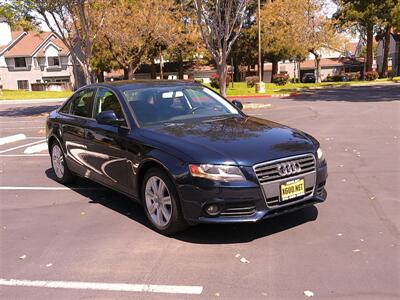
{"x":308,"y":78}
{"x":185,"y":153}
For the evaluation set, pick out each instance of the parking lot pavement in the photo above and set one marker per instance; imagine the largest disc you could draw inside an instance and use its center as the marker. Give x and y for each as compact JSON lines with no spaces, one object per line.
{"x":86,"y":241}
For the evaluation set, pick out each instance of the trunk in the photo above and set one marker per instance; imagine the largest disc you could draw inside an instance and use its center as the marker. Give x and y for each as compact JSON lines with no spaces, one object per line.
{"x":180,"y":66}
{"x":131,"y":71}
{"x":153,"y":73}
{"x":161,"y":66}
{"x":100,"y":75}
{"x":274,"y":69}
{"x":236,"y":71}
{"x":222,"y":78}
{"x":126,"y":73}
{"x":318,"y":69}
{"x":386,"y":41}
{"x":87,"y":74}
{"x":398,"y":59}
{"x":370,"y":53}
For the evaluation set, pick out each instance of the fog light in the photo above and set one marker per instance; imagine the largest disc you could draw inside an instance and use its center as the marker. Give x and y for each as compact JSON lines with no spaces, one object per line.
{"x":213,"y":210}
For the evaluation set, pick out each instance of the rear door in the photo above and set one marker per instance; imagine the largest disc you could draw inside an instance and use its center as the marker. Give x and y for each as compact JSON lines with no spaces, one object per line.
{"x":107,"y":144}
{"x":74,"y":121}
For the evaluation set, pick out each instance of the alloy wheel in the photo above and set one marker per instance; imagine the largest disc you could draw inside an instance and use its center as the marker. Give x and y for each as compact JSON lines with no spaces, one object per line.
{"x":158,"y":201}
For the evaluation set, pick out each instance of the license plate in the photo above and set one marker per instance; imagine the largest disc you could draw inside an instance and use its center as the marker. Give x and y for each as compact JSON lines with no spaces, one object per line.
{"x":292,"y":189}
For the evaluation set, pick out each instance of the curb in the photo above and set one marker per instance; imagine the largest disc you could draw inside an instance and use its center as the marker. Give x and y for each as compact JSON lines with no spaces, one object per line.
{"x":256,"y":105}
{"x":263,"y":96}
{"x":6,"y":101}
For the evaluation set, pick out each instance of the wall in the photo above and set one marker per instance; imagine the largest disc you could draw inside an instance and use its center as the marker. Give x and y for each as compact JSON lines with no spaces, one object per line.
{"x":33,"y":73}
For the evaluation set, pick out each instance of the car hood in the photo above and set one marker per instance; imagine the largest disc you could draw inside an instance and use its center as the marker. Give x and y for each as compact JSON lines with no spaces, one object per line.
{"x":238,"y":140}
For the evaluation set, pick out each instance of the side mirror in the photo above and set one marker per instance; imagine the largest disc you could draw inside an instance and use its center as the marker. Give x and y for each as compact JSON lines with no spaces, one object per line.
{"x":108,"y":117}
{"x":237,"y":104}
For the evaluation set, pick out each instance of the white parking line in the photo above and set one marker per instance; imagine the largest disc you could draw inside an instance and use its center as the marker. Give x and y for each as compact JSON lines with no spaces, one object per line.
{"x":31,"y":127}
{"x":26,"y":121}
{"x":12,"y":138}
{"x":47,"y":188}
{"x":37,"y":148}
{"x":22,"y":146}
{"x":20,"y":155}
{"x":100,"y":286}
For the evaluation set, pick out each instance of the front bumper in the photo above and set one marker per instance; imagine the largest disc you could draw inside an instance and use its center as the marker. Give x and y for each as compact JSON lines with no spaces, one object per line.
{"x":242,"y":203}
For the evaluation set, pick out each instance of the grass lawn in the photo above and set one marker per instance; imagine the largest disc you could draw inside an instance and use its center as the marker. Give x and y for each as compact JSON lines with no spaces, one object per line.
{"x":19,"y":94}
{"x":241,"y":89}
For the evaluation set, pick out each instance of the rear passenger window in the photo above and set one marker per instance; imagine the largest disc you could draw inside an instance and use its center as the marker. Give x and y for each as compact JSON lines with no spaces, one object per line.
{"x":82,"y":104}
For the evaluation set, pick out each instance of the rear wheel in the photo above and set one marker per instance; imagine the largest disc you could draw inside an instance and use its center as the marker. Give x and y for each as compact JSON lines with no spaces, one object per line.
{"x":60,"y":168}
{"x":161,"y":202}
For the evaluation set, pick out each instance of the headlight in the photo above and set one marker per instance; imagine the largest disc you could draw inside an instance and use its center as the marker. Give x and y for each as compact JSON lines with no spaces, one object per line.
{"x":217,"y":172}
{"x":320,"y":154}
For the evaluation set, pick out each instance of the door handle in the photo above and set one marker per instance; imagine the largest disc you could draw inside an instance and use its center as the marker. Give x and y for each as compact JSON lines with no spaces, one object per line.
{"x":89,"y":135}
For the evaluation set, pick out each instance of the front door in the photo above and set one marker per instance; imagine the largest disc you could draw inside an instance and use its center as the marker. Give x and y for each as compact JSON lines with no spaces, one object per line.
{"x":107,"y":145}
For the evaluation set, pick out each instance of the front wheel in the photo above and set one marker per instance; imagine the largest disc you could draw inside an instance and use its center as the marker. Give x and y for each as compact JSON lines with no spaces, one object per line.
{"x":161,"y":202}
{"x":60,"y":168}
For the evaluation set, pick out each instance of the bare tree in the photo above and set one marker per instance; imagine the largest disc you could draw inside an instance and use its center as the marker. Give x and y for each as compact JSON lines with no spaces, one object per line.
{"x":220,"y":22}
{"x":76,"y":23}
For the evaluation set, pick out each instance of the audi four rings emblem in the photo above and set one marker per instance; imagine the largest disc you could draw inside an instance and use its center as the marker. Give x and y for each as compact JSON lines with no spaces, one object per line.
{"x":288,"y":168}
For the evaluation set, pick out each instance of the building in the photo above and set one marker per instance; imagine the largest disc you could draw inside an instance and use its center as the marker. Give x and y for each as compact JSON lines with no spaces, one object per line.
{"x":33,"y":61}
{"x":394,"y":54}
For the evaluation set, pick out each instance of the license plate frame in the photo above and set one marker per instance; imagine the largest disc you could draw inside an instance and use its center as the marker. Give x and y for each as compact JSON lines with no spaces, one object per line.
{"x":292,"y":189}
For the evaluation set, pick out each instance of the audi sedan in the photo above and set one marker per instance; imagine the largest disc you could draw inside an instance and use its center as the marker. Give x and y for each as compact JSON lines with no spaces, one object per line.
{"x":185,"y":153}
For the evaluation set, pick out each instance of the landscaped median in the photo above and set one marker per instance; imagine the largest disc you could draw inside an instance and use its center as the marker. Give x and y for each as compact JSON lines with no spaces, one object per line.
{"x":24,"y":95}
{"x":239,"y":90}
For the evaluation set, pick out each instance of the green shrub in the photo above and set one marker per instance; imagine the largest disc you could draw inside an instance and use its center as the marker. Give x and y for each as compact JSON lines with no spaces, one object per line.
{"x":280,"y":79}
{"x":371,"y":75}
{"x":214,"y":80}
{"x":252,"y":80}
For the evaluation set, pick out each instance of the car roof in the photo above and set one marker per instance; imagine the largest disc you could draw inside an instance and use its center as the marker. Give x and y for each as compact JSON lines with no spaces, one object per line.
{"x":129,"y":84}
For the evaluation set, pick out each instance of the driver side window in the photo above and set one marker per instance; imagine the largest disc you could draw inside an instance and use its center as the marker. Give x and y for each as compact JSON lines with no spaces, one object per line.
{"x":107,"y":100}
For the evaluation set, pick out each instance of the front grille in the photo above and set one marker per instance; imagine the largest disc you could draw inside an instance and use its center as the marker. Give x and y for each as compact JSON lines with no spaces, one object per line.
{"x":238,"y":209}
{"x":268,"y":171}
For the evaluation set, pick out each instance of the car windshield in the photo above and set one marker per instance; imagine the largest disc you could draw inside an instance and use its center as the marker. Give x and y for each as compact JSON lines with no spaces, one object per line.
{"x":158,"y":105}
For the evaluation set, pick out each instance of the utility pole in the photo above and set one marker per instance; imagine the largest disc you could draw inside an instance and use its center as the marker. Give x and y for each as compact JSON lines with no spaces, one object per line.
{"x":260,"y":87}
{"x":259,"y":40}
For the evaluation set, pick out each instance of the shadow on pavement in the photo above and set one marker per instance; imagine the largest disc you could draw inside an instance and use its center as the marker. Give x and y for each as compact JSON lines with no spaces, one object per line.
{"x":375,"y":93}
{"x":199,"y":234}
{"x":28,"y":111}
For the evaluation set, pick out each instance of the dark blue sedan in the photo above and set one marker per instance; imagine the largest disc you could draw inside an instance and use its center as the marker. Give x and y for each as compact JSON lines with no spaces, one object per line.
{"x":185,"y":153}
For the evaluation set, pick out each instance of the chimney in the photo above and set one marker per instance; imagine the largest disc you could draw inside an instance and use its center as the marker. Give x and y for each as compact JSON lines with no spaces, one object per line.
{"x":5,"y":32}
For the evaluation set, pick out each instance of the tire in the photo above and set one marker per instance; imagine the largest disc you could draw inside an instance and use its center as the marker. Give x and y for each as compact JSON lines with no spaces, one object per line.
{"x":62,"y":173}
{"x":161,"y":203}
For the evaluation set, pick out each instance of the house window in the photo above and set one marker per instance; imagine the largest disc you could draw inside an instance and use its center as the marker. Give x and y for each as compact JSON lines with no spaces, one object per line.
{"x":23,"y":84}
{"x":20,"y":62}
{"x":53,"y":61}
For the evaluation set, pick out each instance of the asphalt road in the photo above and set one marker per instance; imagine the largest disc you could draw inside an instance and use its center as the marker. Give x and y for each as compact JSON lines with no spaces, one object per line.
{"x":345,"y":248}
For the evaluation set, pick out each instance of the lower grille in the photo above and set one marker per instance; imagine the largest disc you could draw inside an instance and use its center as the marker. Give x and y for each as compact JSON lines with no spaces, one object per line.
{"x":320,"y":189}
{"x":238,"y":210}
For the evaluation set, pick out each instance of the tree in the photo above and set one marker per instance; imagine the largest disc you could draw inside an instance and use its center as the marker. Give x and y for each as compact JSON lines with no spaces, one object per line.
{"x":385,"y":26}
{"x":282,"y":31}
{"x":136,"y":29}
{"x":75,"y":22}
{"x":317,"y":32}
{"x":220,"y":23}
{"x":17,"y":17}
{"x":360,"y":15}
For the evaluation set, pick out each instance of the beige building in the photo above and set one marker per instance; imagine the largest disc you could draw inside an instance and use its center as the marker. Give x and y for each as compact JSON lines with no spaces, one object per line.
{"x":30,"y":59}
